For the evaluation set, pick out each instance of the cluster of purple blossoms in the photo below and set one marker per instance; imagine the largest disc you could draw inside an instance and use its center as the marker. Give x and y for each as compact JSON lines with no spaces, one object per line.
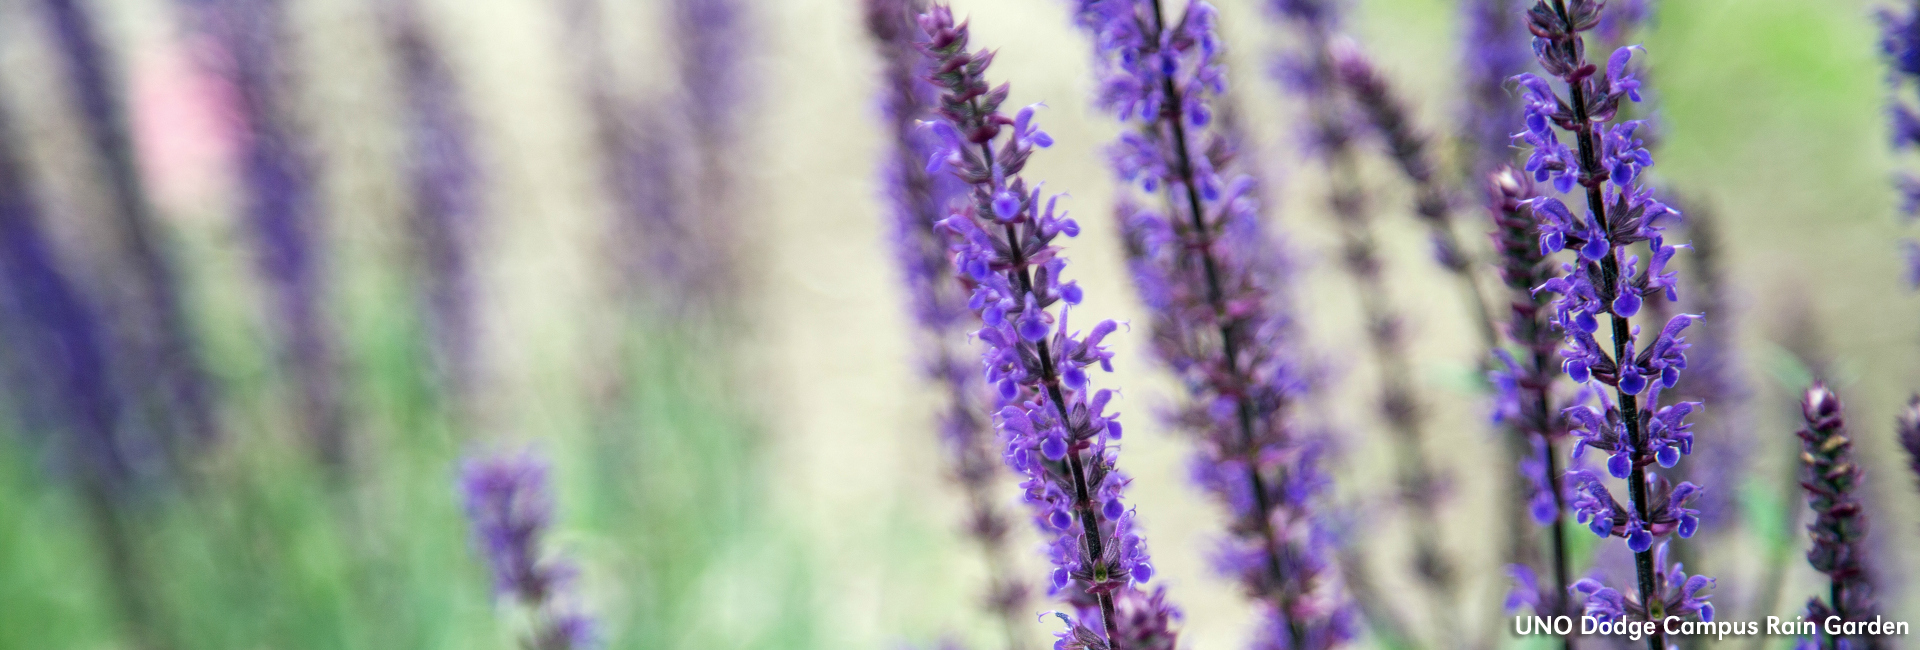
{"x":1839,"y":529}
{"x":1056,"y":428}
{"x":1495,"y":52}
{"x":1214,"y":280}
{"x":162,"y":358}
{"x":282,"y":206}
{"x":1900,"y":44}
{"x":1908,"y":427}
{"x":1312,"y":74}
{"x":919,"y":199}
{"x":1606,"y":280}
{"x":1407,"y":146}
{"x":1524,"y":396}
{"x":508,"y":503}
{"x":446,"y":187}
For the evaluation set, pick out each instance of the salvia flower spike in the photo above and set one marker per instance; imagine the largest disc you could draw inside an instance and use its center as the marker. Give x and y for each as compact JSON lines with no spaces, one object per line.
{"x":1908,"y":426}
{"x":1900,"y":44}
{"x":166,"y":367}
{"x":938,"y":305}
{"x":1056,"y":426}
{"x":1839,"y":530}
{"x":1604,"y":281}
{"x":1494,"y":52}
{"x":1311,"y":73}
{"x":1524,"y":383}
{"x":446,"y":187}
{"x":1407,"y":146}
{"x":282,"y":207}
{"x":510,"y":507}
{"x":1210,"y":273}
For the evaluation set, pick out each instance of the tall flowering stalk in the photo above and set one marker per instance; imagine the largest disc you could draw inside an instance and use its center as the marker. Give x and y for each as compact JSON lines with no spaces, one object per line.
{"x":1605,"y":280}
{"x":1524,"y":385}
{"x":1900,"y":44}
{"x":280,"y":206}
{"x":1494,"y":52}
{"x":1407,"y":146}
{"x":1213,"y":277}
{"x":445,"y":180}
{"x":510,"y":508}
{"x":1714,"y":372}
{"x":1056,"y":428}
{"x":1313,"y":74}
{"x":1839,"y":528}
{"x":919,"y":200}
{"x":1907,"y":425}
{"x":57,"y":366}
{"x":167,"y":371}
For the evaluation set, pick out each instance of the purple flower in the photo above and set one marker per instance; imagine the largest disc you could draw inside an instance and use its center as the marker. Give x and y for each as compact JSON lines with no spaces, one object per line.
{"x":57,"y":356}
{"x":938,"y":304}
{"x":162,"y":358}
{"x":1900,"y":45}
{"x":508,"y":503}
{"x":1215,"y":281}
{"x":1678,"y":594}
{"x":1057,"y":436}
{"x":281,"y":207}
{"x":1407,"y":146}
{"x":445,"y":187}
{"x":669,"y":162}
{"x":1494,"y":52}
{"x":1605,"y":280}
{"x":1315,"y":74}
{"x":1839,"y":529}
{"x":1909,"y":429}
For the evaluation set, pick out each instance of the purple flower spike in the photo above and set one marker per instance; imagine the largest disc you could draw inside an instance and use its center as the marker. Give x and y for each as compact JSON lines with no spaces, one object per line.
{"x":1098,"y":554}
{"x":1215,"y":281}
{"x":281,"y":208}
{"x":163,"y":358}
{"x":446,"y":187}
{"x":57,"y":369}
{"x":938,"y":306}
{"x":1908,"y":426}
{"x":1495,"y":51}
{"x":510,"y":508}
{"x":1604,"y":281}
{"x":1316,"y":74}
{"x":1393,"y":122}
{"x":1900,"y":46}
{"x":1839,"y":529}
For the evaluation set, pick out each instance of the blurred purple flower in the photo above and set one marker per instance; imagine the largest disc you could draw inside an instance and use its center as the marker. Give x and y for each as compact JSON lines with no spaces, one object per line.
{"x":445,"y":183}
{"x":1900,"y":45}
{"x":1524,"y":395}
{"x":919,"y":200}
{"x":1495,"y":51}
{"x":162,"y":361}
{"x":1214,"y":281}
{"x":57,"y":360}
{"x":508,"y":503}
{"x":280,"y":205}
{"x":1407,"y":146}
{"x":1311,"y":72}
{"x":1057,"y":430}
{"x":1908,"y":427}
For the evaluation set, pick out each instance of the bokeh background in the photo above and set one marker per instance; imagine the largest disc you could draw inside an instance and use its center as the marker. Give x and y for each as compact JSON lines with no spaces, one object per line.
{"x":759,"y":470}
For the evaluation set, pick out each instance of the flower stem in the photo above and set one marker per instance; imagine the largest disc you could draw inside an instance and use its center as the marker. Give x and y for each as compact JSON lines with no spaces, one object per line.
{"x":1173,"y":115}
{"x":1050,"y":376}
{"x":1591,"y":176}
